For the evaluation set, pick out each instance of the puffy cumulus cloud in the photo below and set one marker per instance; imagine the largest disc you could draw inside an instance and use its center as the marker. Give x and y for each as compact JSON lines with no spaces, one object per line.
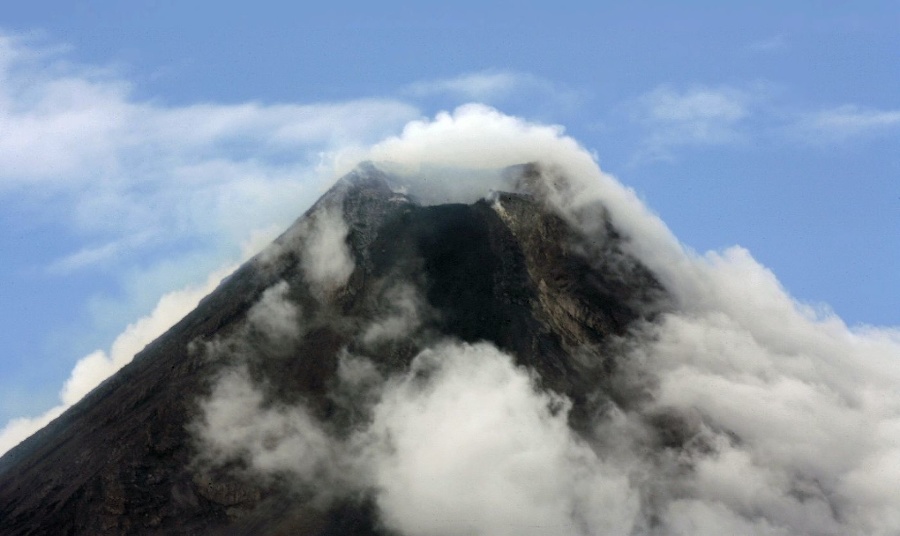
{"x":18,"y":429}
{"x":455,"y":157}
{"x":95,"y":367}
{"x":472,"y":137}
{"x":805,"y":409}
{"x":240,"y":420}
{"x":477,"y":449}
{"x":462,"y":443}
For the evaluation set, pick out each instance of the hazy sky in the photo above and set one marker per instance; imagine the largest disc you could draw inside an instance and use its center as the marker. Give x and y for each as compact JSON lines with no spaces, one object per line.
{"x":145,"y":145}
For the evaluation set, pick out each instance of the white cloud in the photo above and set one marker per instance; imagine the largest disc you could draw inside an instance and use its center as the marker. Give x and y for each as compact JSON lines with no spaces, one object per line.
{"x":695,"y":117}
{"x":727,"y":115}
{"x":798,"y":415}
{"x":478,"y":450}
{"x":495,"y":87}
{"x":93,"y":255}
{"x":403,"y":314}
{"x":120,"y":165}
{"x":767,"y":45}
{"x":480,"y":86}
{"x":843,"y":123}
{"x":812,"y":403}
{"x":127,"y":177}
{"x":237,"y":424}
{"x":276,"y":316}
{"x":95,"y":367}
{"x":16,"y":430}
{"x":463,"y":443}
{"x":327,"y":261}
{"x":465,"y":149}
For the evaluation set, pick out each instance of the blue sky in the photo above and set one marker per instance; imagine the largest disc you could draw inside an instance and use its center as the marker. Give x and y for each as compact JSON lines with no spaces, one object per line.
{"x":142,"y":145}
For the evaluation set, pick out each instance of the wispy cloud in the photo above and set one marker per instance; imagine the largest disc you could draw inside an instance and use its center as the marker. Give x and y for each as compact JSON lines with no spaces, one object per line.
{"x":767,"y":45}
{"x":79,"y":133}
{"x":484,"y":85}
{"x":461,"y":442}
{"x":672,"y":120}
{"x":164,"y":191}
{"x":82,"y":153}
{"x":493,"y":87}
{"x":94,"y":255}
{"x":843,"y":123}
{"x":693,"y":117}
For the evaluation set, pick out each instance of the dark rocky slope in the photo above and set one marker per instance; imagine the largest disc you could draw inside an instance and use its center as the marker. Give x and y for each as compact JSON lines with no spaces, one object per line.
{"x":121,"y":461}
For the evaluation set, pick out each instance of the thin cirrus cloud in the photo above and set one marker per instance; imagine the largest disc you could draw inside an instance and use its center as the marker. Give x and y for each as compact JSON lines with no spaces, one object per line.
{"x":492,"y":86}
{"x":697,"y":116}
{"x":843,"y":123}
{"x":672,"y":120}
{"x":93,"y":255}
{"x":480,"y":85}
{"x":767,"y":45}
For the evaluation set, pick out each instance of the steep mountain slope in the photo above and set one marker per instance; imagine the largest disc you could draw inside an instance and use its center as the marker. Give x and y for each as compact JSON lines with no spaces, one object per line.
{"x":367,"y":271}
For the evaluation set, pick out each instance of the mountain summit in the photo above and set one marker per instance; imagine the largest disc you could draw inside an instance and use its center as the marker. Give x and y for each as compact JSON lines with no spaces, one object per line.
{"x":213,"y":428}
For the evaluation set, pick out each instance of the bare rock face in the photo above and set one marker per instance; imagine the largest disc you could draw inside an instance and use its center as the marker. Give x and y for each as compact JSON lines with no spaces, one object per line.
{"x":506,"y":270}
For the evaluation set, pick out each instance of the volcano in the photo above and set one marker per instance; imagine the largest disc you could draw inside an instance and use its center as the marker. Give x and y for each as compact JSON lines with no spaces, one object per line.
{"x":348,"y":299}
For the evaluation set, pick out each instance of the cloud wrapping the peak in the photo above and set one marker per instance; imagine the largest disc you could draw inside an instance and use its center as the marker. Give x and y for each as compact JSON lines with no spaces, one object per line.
{"x":467,"y":147}
{"x":795,"y":414}
{"x":794,"y":418}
